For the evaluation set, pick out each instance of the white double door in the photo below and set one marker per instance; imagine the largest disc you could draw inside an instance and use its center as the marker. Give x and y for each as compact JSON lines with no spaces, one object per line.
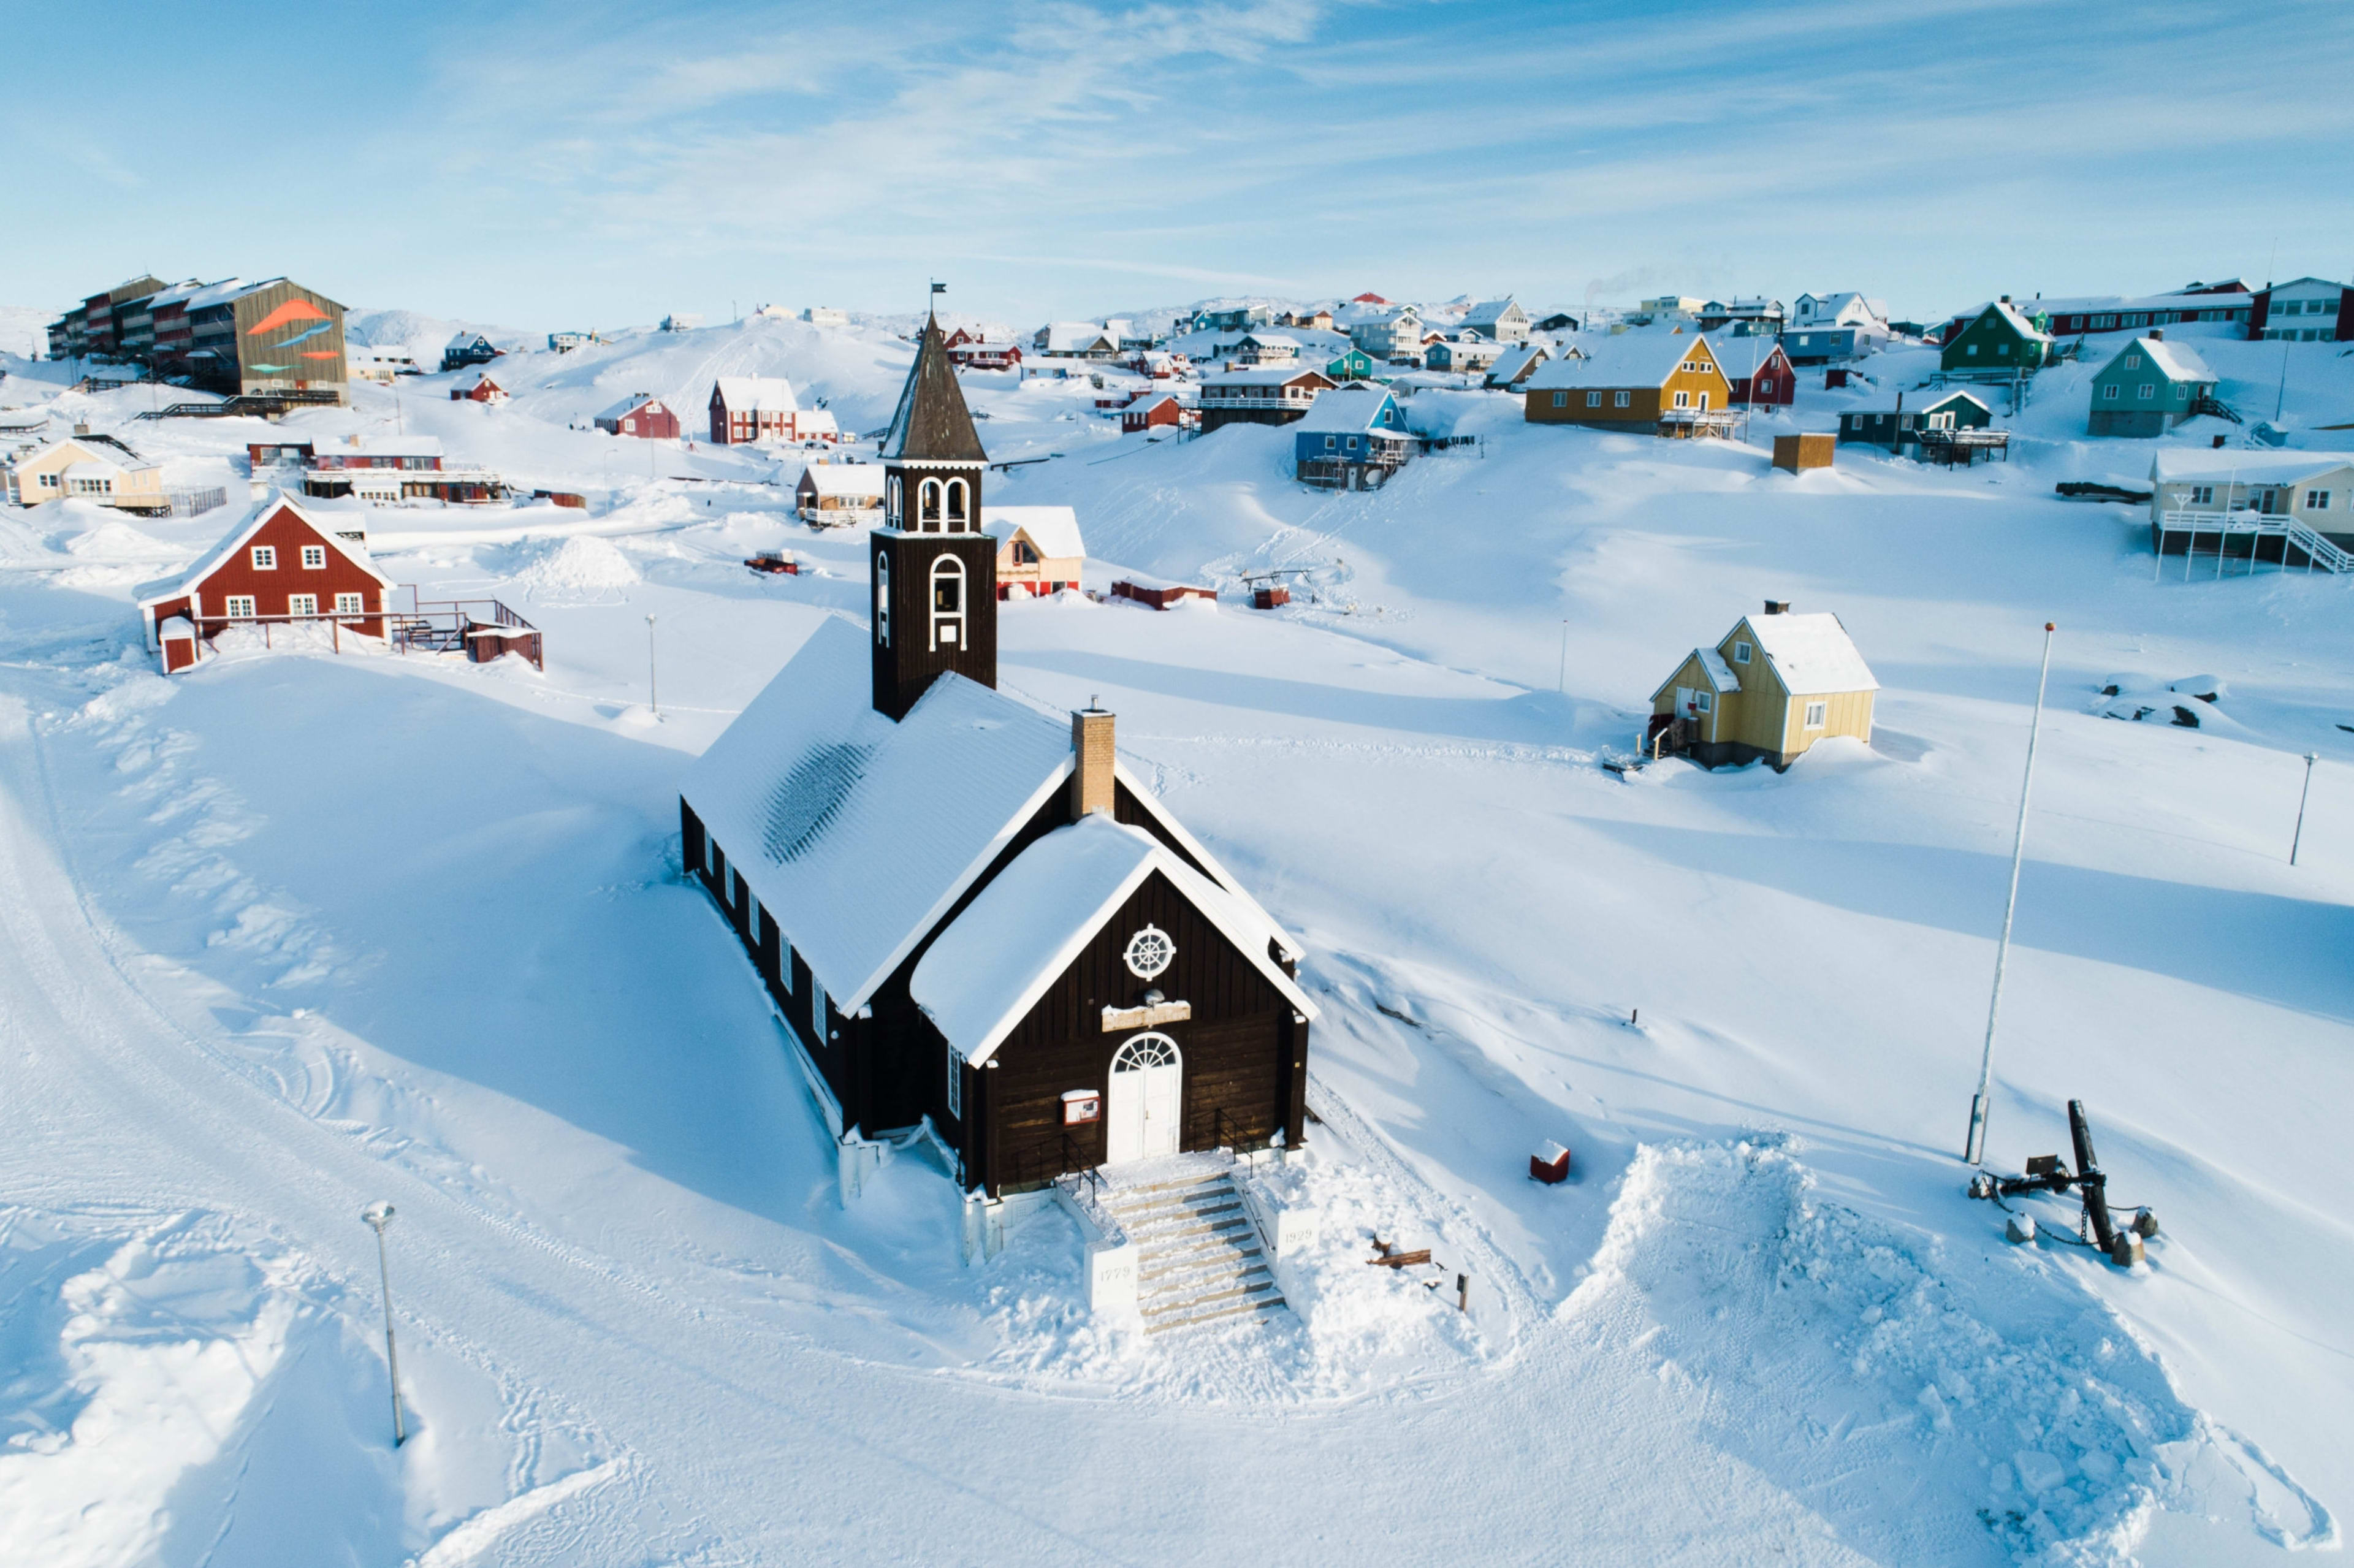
{"x":1147,"y":1081}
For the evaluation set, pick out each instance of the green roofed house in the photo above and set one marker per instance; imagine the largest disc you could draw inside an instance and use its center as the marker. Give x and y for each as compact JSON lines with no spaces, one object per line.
{"x":2150,"y":387}
{"x":1998,"y":344}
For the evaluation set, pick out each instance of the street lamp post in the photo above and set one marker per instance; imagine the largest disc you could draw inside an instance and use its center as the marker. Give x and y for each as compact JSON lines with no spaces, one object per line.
{"x":653,"y":694}
{"x":378,"y":1214}
{"x":1975,"y":1150}
{"x":2310,"y":758}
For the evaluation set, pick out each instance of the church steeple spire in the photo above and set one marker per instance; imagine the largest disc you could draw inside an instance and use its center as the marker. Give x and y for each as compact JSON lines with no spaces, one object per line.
{"x":935,"y":585}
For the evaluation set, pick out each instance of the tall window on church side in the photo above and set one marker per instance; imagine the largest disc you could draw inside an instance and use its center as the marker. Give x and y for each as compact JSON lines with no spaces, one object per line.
{"x":883,"y":599}
{"x":896,"y":514}
{"x":927,"y":498}
{"x":955,"y":506}
{"x":947,"y":603}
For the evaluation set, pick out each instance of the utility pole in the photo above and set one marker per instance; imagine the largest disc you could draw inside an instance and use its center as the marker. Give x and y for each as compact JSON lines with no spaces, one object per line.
{"x":2310,"y":758}
{"x":1974,"y":1150}
{"x":653,"y":696}
{"x":378,"y":1214}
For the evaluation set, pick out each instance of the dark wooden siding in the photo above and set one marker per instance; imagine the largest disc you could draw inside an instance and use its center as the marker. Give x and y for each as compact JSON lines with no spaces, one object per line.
{"x":1238,"y":1064}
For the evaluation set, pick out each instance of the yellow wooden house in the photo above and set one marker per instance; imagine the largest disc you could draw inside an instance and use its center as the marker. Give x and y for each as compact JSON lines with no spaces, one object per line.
{"x":85,"y":468}
{"x":1772,"y":687}
{"x":1665,"y":381}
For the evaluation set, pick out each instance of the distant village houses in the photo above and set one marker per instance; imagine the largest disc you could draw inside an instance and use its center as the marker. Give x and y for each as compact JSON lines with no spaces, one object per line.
{"x":838,"y":494}
{"x":747,"y":409}
{"x":1498,"y":320}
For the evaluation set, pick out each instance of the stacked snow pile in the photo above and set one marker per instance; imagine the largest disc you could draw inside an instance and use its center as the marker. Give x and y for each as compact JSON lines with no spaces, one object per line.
{"x":1833,"y":1352}
{"x":583,"y":570}
{"x":2188,"y":703}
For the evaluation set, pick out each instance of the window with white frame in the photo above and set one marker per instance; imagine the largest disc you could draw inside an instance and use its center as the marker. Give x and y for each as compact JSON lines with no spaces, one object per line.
{"x":314,"y":557}
{"x":241,"y":605}
{"x":1621,"y":399}
{"x":1765,"y":388}
{"x":2133,"y":362}
{"x":301,"y":604}
{"x":2146,"y":392}
{"x":1969,"y":348}
{"x":1815,"y":712}
{"x":2108,"y":394}
{"x":1594,"y":399}
{"x":265,"y":557}
{"x":1702,"y":701}
{"x":1741,"y":653}
{"x":956,"y":1083}
{"x":1684,"y":399}
{"x":2317,"y":500}
{"x":348,"y":604}
{"x":881,"y":600}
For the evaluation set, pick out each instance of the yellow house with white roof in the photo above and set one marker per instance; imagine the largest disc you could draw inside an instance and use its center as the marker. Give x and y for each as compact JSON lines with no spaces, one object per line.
{"x":87,"y":467}
{"x":1772,"y":687}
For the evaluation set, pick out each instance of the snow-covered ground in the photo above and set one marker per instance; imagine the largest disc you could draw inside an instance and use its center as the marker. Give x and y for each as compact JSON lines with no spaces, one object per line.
{"x":300,"y":931}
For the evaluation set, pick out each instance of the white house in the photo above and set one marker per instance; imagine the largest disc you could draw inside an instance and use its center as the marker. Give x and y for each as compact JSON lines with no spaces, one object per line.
{"x":1498,"y":321}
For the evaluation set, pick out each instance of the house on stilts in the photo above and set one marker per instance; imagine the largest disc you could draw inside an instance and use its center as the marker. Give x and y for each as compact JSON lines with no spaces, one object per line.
{"x":974,"y":919}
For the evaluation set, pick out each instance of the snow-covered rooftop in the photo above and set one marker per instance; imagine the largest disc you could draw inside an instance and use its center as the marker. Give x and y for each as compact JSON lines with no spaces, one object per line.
{"x":847,"y":479}
{"x":1628,"y":359}
{"x":1812,"y":653}
{"x":2177,"y":463}
{"x":268,"y":506}
{"x":986,"y":971}
{"x":2175,"y":361}
{"x":1054,"y":529}
{"x":1348,"y":411}
{"x":756,"y":394}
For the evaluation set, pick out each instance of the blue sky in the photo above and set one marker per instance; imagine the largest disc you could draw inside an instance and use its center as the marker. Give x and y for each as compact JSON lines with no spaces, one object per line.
{"x":591,"y":164}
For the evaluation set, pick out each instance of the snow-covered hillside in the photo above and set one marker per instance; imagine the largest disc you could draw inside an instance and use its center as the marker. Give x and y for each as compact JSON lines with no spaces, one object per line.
{"x":298,"y":931}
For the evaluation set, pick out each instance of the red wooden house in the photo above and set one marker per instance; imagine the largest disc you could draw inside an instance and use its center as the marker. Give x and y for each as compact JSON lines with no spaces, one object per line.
{"x":749,"y":408}
{"x":641,"y":414}
{"x":969,"y":351}
{"x":1775,"y":383}
{"x":484,"y":391}
{"x":281,"y":563}
{"x":1154,"y":410}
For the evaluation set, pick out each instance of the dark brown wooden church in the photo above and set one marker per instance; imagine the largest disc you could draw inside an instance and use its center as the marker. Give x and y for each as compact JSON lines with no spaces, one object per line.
{"x":968,"y":910}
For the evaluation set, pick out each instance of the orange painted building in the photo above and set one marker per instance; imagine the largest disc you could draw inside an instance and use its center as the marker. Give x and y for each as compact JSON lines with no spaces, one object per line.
{"x":1641,"y":379}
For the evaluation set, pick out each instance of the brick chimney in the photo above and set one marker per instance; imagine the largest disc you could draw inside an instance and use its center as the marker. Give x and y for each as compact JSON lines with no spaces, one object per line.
{"x":1091,"y":747}
{"x":1777,"y":606}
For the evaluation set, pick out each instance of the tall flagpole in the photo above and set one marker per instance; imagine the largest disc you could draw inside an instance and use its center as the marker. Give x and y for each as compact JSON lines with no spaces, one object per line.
{"x":1975,"y":1152}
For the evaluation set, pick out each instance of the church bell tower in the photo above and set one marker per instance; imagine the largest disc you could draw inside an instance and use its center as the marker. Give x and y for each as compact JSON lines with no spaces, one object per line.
{"x":935,"y":570}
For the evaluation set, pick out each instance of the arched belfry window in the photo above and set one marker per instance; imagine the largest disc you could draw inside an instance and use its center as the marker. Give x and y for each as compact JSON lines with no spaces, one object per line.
{"x":927,"y":503}
{"x":947,"y":603}
{"x":881,"y":600}
{"x":893,"y":519}
{"x":956,"y":492}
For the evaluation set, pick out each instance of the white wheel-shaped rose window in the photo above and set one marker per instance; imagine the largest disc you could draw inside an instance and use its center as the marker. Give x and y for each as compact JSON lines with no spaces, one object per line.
{"x":1148,"y":952}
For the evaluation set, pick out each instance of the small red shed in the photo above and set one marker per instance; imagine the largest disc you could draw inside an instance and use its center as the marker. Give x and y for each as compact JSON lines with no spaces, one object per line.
{"x":1160,"y":596}
{"x":281,"y":563}
{"x":1773,"y":385}
{"x":484,"y":391}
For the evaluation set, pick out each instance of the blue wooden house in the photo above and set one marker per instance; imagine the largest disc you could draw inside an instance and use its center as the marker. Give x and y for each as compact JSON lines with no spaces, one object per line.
{"x":1354,"y":438}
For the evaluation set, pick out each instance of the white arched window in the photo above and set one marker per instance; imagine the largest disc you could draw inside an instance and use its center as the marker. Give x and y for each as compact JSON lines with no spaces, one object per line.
{"x":947,"y":603}
{"x":957,"y":491}
{"x":928,"y":506}
{"x":893,"y":516}
{"x":881,"y":600}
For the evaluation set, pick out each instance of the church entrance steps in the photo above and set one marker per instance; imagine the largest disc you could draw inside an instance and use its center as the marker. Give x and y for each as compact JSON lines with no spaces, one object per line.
{"x":1199,"y":1257}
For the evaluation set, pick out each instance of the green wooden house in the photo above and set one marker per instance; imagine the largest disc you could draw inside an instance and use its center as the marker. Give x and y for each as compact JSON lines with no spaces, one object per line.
{"x":1356,"y":365}
{"x":1998,"y":344}
{"x":2150,"y":387}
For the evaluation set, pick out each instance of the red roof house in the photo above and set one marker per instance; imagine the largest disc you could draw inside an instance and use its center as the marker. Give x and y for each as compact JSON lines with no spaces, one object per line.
{"x":283,"y":563}
{"x":1153,"y":411}
{"x":484,"y":391}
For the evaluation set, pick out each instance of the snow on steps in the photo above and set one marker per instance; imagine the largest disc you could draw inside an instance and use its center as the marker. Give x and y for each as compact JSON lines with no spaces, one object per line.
{"x":1199,"y":1256}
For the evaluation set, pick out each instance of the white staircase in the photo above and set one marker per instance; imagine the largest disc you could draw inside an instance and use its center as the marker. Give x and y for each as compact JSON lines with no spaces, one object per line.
{"x":1199,"y":1257}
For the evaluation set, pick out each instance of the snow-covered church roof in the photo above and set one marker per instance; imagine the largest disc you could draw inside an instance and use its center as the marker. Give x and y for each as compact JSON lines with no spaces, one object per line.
{"x":997,"y":959}
{"x":858,"y":835}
